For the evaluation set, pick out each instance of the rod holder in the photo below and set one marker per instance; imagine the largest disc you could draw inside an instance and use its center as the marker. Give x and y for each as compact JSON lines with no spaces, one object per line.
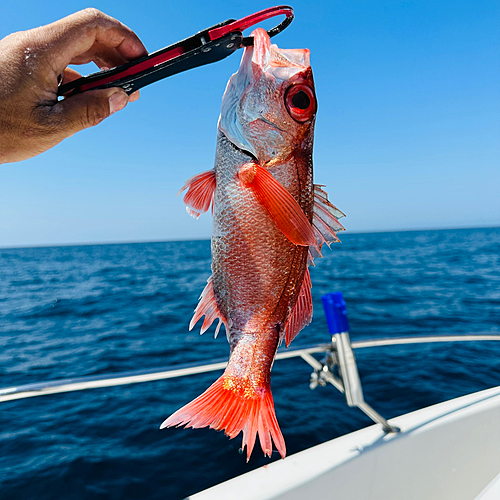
{"x":342,"y":356}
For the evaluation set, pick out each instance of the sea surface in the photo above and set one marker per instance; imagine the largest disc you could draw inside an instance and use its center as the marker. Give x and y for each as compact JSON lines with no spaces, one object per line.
{"x":80,"y":311}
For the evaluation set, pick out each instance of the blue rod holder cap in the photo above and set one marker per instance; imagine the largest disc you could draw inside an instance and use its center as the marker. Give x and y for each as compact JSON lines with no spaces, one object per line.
{"x":336,"y":313}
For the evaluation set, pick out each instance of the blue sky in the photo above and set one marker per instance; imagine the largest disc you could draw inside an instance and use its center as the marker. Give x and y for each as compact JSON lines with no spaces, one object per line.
{"x":407,"y":133}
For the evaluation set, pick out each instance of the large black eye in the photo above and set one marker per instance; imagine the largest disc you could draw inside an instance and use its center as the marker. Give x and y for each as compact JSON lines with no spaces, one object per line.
{"x":300,"y":102}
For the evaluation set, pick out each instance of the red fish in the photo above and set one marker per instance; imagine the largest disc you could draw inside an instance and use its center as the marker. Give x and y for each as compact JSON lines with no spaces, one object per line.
{"x":269,"y":221}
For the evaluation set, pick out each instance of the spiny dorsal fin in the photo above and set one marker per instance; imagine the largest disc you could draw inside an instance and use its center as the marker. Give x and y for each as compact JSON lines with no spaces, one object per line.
{"x":325,"y":222}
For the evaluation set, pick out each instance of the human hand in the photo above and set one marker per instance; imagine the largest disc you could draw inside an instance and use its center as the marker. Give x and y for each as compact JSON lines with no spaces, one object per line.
{"x":32,"y":119}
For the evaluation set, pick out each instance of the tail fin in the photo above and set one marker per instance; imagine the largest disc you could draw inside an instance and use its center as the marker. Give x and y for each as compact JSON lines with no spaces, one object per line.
{"x":232,"y":410}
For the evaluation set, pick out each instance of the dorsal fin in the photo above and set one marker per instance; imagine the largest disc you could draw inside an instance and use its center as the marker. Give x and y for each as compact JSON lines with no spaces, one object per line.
{"x":302,"y":312}
{"x":325,"y":222}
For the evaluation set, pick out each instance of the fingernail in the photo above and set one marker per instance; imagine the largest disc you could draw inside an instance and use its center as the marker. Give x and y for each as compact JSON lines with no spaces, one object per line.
{"x":134,"y":96}
{"x":117,"y":101}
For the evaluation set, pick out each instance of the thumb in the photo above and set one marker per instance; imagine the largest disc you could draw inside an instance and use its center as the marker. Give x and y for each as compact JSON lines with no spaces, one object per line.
{"x":87,"y":109}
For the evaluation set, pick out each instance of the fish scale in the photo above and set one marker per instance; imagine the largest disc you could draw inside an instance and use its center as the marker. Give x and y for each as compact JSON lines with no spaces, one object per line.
{"x":251,"y":259}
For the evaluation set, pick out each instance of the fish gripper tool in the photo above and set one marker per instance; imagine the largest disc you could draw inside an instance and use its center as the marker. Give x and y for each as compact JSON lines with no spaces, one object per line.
{"x":210,"y":45}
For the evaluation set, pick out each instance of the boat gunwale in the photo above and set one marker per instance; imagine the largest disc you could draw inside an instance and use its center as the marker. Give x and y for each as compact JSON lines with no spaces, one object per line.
{"x":138,"y":376}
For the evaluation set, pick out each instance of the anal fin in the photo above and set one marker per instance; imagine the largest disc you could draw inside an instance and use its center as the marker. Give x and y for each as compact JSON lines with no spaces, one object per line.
{"x":207,"y":306}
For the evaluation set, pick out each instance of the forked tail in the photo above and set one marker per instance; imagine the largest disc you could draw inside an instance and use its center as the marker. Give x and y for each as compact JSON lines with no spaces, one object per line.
{"x":224,"y":406}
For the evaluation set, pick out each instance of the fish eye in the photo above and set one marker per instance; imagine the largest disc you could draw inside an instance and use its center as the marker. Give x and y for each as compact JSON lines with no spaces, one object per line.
{"x":300,"y":102}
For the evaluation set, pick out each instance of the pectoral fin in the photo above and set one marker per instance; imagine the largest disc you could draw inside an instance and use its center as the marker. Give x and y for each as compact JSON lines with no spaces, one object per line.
{"x":279,"y":204}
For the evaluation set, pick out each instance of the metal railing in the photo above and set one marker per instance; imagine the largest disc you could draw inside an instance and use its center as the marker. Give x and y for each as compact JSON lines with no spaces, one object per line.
{"x":134,"y":377}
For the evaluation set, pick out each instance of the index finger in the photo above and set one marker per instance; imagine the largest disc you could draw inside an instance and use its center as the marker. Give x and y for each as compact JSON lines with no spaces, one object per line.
{"x":76,"y":34}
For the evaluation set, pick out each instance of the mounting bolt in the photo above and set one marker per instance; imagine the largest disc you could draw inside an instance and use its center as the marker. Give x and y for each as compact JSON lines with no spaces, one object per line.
{"x":314,"y":381}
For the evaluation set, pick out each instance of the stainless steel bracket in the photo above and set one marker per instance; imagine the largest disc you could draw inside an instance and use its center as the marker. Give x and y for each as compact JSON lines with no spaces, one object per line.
{"x":341,"y":357}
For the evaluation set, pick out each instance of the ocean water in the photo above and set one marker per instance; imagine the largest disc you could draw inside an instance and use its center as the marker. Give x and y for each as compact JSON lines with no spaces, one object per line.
{"x":101,"y":309}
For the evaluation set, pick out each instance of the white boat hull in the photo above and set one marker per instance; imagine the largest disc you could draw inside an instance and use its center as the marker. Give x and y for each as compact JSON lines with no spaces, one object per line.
{"x":450,"y":451}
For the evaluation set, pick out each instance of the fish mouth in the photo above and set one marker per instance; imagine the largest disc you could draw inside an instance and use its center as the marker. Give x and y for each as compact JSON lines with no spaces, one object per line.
{"x":282,"y":64}
{"x":261,"y":48}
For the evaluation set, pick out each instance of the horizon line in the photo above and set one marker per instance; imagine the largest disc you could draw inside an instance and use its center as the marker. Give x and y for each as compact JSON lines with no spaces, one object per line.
{"x":140,"y":242}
